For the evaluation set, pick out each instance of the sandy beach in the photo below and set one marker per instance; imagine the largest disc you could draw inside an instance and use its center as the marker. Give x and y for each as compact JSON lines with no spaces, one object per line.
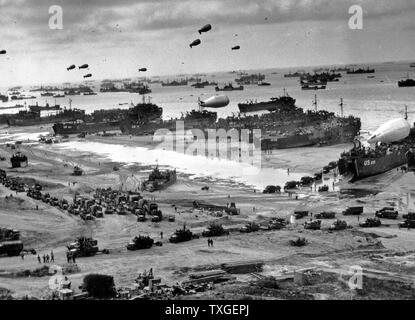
{"x":50,"y":228}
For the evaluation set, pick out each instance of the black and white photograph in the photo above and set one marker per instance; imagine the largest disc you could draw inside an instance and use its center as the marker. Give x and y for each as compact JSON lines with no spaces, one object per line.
{"x":221,"y":151}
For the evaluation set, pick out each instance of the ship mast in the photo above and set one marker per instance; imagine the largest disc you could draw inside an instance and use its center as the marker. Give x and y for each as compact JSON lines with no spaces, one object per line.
{"x":341,"y":107}
{"x":406,"y":112}
{"x":315,"y":102}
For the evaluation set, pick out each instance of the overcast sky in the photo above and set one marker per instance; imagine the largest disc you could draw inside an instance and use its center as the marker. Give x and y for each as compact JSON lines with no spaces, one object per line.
{"x":115,"y":37}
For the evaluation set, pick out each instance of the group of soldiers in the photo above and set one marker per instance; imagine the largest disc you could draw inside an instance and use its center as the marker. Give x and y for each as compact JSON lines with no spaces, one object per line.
{"x":70,"y":257}
{"x":46,"y":258}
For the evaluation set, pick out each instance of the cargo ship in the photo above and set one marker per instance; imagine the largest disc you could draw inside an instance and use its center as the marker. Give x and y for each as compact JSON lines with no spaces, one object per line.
{"x":291,"y":127}
{"x":360,"y":71}
{"x":271,"y":105}
{"x":321,"y":78}
{"x":297,"y":74}
{"x":110,"y":120}
{"x":202,"y":84}
{"x":329,"y":132}
{"x":394,"y":141}
{"x":47,"y":107}
{"x":175,"y":83}
{"x":250,"y":79}
{"x":33,"y":116}
{"x":313,"y":86}
{"x":79,"y":126}
{"x":194,"y":119}
{"x":229,"y":87}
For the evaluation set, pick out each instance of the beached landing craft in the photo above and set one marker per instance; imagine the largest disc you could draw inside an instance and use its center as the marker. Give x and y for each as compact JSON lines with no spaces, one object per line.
{"x":393,"y":139}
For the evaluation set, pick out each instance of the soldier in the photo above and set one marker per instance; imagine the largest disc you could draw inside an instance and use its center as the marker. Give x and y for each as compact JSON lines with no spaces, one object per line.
{"x":44,"y":258}
{"x":38,"y":259}
{"x":211,"y":242}
{"x":74,"y":258}
{"x":161,"y":235}
{"x":52,"y":256}
{"x":22,"y":255}
{"x":68,"y":257}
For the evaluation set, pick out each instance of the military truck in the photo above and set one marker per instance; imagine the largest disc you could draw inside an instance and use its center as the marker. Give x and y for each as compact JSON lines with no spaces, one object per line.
{"x":11,"y":248}
{"x":300,"y":214}
{"x":387,"y":213}
{"x":371,"y":223}
{"x":299,"y":242}
{"x":182,"y":235}
{"x":10,"y":243}
{"x":306,"y":181}
{"x":272,"y":189}
{"x":215,"y":230}
{"x":19,"y":160}
{"x":140,"y":242}
{"x":83,"y":247}
{"x":353,"y":211}
{"x":291,"y":185}
{"x":338,"y":225}
{"x":324,"y":188}
{"x":409,"y":216}
{"x":277,"y":224}
{"x":141,"y":217}
{"x":250,"y":227}
{"x":325,"y":215}
{"x":7,"y":234}
{"x":312,"y":225}
{"x":410,"y":224}
{"x":77,"y":171}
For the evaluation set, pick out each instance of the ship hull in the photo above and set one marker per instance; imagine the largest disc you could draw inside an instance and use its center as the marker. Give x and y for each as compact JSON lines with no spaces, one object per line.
{"x":367,"y":167}
{"x":364,"y":167}
{"x":35,"y":121}
{"x":264,"y":106}
{"x":151,"y":128}
{"x":76,"y":128}
{"x":337,"y":135}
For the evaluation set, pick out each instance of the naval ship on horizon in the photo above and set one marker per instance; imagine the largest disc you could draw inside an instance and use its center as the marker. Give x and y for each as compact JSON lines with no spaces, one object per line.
{"x":272,"y":104}
{"x":33,"y":116}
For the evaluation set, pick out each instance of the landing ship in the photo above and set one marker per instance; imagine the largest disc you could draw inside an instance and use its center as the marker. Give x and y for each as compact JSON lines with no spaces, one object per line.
{"x":393,"y":140}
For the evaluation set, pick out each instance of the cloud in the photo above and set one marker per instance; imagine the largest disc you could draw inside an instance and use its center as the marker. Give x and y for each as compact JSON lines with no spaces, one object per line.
{"x":161,"y":29}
